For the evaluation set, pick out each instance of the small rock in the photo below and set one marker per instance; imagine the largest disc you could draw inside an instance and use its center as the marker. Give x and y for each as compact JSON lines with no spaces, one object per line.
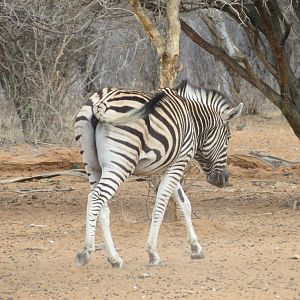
{"x":296,"y":256}
{"x":145,"y":275}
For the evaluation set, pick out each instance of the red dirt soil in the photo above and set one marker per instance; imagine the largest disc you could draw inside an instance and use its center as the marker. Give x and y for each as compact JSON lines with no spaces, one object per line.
{"x":249,"y":230}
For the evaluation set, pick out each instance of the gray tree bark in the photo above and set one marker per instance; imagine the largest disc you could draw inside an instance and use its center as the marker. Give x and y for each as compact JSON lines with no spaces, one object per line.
{"x":266,"y":28}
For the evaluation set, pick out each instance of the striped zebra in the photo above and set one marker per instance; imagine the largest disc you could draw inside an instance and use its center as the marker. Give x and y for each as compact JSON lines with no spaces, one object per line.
{"x":124,"y":132}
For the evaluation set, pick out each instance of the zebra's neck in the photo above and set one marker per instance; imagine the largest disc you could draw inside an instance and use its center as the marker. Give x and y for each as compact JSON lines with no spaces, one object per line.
{"x":207,"y":105}
{"x":212,"y":99}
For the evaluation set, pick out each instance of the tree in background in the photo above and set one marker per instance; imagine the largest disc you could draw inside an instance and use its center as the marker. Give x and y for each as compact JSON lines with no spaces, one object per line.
{"x":167,"y":49}
{"x":43,"y":47}
{"x":268,"y":25}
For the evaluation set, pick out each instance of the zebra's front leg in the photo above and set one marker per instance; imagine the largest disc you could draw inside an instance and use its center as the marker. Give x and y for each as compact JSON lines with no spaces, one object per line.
{"x":185,"y":206}
{"x":165,"y":190}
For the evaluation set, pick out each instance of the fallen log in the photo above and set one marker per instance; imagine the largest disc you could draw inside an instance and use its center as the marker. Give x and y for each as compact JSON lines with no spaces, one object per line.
{"x":76,"y":172}
{"x":274,"y":161}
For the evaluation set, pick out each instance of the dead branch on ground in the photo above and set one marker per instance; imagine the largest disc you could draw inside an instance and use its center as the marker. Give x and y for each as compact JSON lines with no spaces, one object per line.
{"x":78,"y":173}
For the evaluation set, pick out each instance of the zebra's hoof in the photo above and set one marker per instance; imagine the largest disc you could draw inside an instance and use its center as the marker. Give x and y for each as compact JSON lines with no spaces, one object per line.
{"x":82,"y":258}
{"x":197,"y":255}
{"x":154,"y":261}
{"x":116,"y":263}
{"x":196,"y":252}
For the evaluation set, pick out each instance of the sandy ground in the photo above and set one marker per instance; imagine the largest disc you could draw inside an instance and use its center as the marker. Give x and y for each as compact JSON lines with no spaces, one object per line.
{"x":249,"y":230}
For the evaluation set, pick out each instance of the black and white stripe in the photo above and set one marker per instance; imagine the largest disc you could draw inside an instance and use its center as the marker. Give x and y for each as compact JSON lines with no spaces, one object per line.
{"x":124,"y":132}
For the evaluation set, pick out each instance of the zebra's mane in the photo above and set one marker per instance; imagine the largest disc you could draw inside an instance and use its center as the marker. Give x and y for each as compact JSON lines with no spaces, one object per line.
{"x":208,"y":97}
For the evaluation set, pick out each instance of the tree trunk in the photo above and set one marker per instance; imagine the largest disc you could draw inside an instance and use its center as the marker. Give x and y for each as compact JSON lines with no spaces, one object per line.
{"x":167,"y":50}
{"x":169,"y":67}
{"x":291,"y":113}
{"x":168,"y":70}
{"x":23,"y":109}
{"x":168,"y":53}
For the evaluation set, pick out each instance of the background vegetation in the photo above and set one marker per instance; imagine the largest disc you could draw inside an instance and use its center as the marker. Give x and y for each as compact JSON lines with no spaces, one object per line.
{"x":53,"y":54}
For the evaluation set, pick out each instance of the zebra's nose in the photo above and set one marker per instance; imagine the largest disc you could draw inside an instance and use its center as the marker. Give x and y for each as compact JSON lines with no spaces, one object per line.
{"x":219,"y":178}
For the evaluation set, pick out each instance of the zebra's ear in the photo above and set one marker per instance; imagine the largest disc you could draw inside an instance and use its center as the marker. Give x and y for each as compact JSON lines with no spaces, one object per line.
{"x":232,"y":113}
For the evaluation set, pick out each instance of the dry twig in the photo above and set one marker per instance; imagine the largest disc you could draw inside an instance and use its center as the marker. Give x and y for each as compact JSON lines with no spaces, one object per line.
{"x":78,"y":173}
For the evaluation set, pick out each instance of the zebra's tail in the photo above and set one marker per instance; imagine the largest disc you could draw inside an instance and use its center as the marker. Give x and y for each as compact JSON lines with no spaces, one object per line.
{"x":137,"y":113}
{"x":85,"y":125}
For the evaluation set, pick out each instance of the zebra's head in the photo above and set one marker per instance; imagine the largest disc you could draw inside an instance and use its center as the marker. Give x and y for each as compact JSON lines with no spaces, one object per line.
{"x":212,"y":116}
{"x":212,"y":154}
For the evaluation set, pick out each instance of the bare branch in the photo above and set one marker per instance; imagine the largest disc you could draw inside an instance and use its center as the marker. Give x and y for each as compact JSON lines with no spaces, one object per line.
{"x":75,"y":172}
{"x":244,"y":72}
{"x":168,"y":64}
{"x":278,"y":51}
{"x":296,"y":6}
{"x":216,"y":26}
{"x":173,"y":27}
{"x":148,"y":26}
{"x":168,"y":51}
{"x":254,"y":37}
{"x":286,"y":34}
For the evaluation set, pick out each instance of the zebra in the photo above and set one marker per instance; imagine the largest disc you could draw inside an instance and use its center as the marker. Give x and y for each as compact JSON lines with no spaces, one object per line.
{"x":123,"y":132}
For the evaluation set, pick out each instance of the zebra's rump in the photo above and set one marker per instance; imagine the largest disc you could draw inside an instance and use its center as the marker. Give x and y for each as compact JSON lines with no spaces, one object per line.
{"x":110,"y":103}
{"x":143,"y":147}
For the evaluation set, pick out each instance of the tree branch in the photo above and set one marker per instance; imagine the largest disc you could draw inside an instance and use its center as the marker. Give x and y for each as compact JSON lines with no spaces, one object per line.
{"x":173,"y":27}
{"x":296,"y":6}
{"x":270,"y":33}
{"x":168,"y":51}
{"x":223,"y":40}
{"x":254,"y":37}
{"x":286,"y":34}
{"x":148,"y":26}
{"x":169,"y":67}
{"x":245,"y":72}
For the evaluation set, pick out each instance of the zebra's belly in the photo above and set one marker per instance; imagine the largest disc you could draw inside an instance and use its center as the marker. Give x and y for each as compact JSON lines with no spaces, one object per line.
{"x":145,"y":167}
{"x":134,"y":147}
{"x":149,"y":163}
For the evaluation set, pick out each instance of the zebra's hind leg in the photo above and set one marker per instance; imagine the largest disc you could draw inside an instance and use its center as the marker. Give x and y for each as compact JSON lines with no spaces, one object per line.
{"x":185,"y":205}
{"x":83,"y":257}
{"x":166,"y":187}
{"x":98,"y":206}
{"x":113,"y":257}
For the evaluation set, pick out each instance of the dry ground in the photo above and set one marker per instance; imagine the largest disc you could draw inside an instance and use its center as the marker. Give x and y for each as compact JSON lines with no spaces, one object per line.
{"x":249,"y":231}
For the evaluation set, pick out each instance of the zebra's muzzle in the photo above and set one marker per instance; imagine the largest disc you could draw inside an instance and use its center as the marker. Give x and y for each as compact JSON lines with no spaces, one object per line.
{"x":219,"y":178}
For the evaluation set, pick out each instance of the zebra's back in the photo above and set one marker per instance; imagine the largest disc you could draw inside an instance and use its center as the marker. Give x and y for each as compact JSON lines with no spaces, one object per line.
{"x":145,"y":145}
